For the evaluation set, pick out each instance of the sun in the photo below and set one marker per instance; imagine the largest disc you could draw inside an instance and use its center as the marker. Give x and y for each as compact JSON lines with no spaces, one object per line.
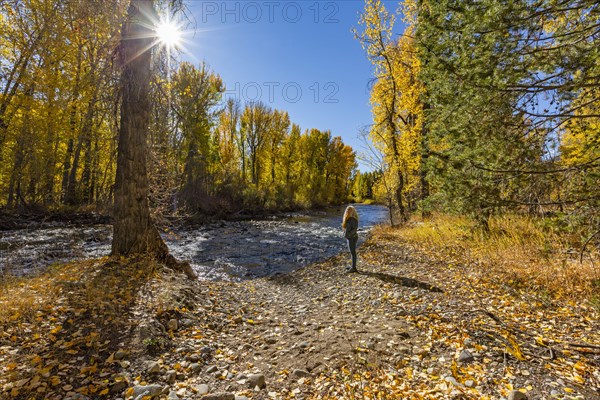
{"x":169,"y":34}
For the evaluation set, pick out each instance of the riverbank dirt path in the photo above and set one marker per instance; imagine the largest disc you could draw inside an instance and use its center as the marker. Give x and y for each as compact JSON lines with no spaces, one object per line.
{"x":408,"y":326}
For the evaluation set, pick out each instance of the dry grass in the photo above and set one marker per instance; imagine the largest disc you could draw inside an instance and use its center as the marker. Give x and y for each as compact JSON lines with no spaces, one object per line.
{"x":525,"y":252}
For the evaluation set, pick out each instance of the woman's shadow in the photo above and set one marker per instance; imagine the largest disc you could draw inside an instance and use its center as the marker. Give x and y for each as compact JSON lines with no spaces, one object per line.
{"x":401,"y":280}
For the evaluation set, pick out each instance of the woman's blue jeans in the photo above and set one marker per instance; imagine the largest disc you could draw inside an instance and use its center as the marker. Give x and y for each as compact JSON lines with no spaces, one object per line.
{"x":352,"y":247}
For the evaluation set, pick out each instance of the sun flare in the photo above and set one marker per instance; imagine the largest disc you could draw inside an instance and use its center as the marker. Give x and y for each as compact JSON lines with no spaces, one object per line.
{"x":169,"y":34}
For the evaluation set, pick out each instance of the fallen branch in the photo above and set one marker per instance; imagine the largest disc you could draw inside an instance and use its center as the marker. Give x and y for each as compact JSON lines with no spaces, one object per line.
{"x":585,"y":345}
{"x":585,"y":245}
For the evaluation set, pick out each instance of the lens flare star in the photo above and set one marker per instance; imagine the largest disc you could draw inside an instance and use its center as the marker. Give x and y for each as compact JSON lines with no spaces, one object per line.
{"x":169,"y":34}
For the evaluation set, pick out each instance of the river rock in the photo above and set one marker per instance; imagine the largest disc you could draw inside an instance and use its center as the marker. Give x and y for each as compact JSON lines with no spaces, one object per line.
{"x":219,"y":396}
{"x":172,"y":395}
{"x":76,"y":396}
{"x":171,"y":376}
{"x":183,"y":349}
{"x":194,"y":358}
{"x":304,"y":345}
{"x":465,"y":356}
{"x":186,"y":322}
{"x":149,"y":390}
{"x":172,"y":325}
{"x":153,"y":367}
{"x":240,"y":376}
{"x":516,"y":395}
{"x":151,"y":330}
{"x":255,"y":380}
{"x":202,"y":389}
{"x":452,"y":380}
{"x":195,"y":368}
{"x":119,"y":387}
{"x":211,"y":369}
{"x":300,"y":373}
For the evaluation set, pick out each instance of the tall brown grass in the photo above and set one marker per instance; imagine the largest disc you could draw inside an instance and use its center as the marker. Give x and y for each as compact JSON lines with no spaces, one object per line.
{"x":530,"y":253}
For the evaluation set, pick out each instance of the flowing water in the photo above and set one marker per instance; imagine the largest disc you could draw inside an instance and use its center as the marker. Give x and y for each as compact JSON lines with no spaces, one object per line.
{"x":218,"y":251}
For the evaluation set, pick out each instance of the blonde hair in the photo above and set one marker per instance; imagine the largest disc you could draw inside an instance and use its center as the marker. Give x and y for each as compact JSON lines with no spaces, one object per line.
{"x":349,"y":213}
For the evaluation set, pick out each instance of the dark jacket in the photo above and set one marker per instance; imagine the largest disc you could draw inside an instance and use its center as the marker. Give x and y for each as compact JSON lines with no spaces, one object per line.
{"x":351,"y":229}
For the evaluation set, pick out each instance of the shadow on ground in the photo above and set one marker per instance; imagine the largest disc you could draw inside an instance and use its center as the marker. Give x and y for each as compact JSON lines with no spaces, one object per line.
{"x":94,"y":312}
{"x":402,"y":281}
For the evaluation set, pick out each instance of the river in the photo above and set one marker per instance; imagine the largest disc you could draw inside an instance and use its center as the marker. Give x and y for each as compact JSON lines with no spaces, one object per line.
{"x":217,"y":251}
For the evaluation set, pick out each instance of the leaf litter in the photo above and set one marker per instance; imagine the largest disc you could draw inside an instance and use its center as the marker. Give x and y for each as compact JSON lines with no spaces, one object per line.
{"x":412,"y":324}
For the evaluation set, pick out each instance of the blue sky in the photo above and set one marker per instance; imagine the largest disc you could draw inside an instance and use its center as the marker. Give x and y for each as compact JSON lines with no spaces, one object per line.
{"x":299,"y":56}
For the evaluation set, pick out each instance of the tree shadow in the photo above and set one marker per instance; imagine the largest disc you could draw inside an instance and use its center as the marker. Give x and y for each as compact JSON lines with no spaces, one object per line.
{"x":95,"y":310}
{"x":402,"y":281}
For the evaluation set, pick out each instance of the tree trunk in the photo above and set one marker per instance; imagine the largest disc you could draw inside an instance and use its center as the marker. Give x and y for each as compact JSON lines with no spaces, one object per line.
{"x":95,"y":174}
{"x":52,"y":143}
{"x":424,"y":160}
{"x":14,"y":185}
{"x":273,"y":169}
{"x":243,"y":165}
{"x":12,"y":84}
{"x":396,"y":164}
{"x":23,"y":147}
{"x":66,"y":169}
{"x":133,"y":230}
{"x":72,"y":128}
{"x":399,"y":199}
{"x":86,"y":173}
{"x":254,"y":167}
{"x":73,"y":196}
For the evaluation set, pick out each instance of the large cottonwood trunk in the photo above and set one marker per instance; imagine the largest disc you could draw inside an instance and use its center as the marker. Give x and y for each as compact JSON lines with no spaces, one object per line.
{"x":133,"y":229}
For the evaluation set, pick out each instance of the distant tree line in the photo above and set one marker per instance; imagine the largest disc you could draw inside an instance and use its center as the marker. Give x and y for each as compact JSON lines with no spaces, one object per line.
{"x":487,"y":107}
{"x":364,"y":186}
{"x":60,"y":114}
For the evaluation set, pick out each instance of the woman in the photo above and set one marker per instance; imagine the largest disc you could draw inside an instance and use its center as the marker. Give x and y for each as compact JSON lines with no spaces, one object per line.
{"x":350,"y":225}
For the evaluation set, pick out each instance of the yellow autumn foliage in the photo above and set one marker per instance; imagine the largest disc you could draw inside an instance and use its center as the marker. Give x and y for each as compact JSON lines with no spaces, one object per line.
{"x":402,"y":151}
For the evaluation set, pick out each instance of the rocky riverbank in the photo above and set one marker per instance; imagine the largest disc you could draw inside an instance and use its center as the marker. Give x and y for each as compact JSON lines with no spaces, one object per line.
{"x":408,"y":326}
